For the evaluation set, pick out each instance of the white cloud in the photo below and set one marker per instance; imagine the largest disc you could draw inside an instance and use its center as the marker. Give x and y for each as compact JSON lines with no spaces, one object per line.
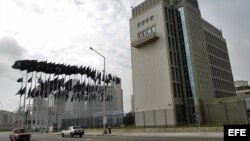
{"x":10,"y":51}
{"x":62,"y":31}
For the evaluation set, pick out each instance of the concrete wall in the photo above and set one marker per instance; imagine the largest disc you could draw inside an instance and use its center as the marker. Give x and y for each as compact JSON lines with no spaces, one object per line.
{"x":150,"y":64}
{"x":231,"y":110}
{"x":6,"y":120}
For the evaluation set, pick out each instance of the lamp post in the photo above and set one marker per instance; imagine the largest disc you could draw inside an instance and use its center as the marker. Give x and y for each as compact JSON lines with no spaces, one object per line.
{"x":104,"y":93}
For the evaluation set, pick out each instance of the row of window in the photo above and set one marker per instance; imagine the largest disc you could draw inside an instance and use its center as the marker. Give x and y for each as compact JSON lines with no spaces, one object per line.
{"x":221,"y":74}
{"x":169,"y":15}
{"x":216,"y":42}
{"x":220,"y":63}
{"x":223,"y":85}
{"x":221,"y":94}
{"x":217,"y":52}
{"x":194,"y":17}
{"x":146,"y":31}
{"x":145,"y":21}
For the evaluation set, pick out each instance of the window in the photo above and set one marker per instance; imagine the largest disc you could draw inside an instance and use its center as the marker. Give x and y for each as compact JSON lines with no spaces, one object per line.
{"x":139,"y":24}
{"x":19,"y":131}
{"x":151,"y":18}
{"x":171,"y":58}
{"x":168,"y":29}
{"x":144,"y":32}
{"x":143,"y":22}
{"x":149,"y":30}
{"x":147,"y":20}
{"x":153,"y":29}
{"x":139,"y":35}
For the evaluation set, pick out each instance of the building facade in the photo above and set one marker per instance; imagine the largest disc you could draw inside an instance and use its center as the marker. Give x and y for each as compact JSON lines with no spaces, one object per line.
{"x":178,"y":60}
{"x":242,"y":87}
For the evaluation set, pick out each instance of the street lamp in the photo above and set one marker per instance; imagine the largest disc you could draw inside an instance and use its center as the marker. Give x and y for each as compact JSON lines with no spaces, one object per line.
{"x":104,"y":93}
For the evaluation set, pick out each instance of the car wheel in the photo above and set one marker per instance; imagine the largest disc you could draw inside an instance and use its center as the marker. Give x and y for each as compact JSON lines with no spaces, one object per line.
{"x":80,"y":135}
{"x":72,"y":135}
{"x":62,"y":135}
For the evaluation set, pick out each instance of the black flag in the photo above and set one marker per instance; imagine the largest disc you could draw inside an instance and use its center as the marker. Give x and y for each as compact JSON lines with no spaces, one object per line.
{"x":20,"y":80}
{"x":30,"y":80}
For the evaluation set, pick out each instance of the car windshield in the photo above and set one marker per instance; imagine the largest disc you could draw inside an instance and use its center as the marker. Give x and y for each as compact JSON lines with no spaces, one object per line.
{"x":76,"y":127}
{"x":19,"y":131}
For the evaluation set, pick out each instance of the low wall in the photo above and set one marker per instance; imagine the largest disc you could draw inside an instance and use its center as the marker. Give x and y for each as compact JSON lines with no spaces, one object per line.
{"x":7,"y":127}
{"x":159,"y":130}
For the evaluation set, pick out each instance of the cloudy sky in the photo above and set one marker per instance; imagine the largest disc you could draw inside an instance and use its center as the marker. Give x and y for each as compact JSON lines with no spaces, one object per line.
{"x":62,"y":31}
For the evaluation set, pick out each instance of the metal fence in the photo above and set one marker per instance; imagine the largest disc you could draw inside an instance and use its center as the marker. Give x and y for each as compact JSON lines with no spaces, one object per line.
{"x":209,"y":115}
{"x":115,"y":120}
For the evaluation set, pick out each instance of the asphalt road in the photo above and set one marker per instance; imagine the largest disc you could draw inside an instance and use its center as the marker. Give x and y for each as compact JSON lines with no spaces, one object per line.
{"x":47,"y":137}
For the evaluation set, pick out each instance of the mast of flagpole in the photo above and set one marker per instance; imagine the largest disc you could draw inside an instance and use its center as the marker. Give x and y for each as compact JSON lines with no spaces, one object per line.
{"x":19,"y":114}
{"x":24,"y":99}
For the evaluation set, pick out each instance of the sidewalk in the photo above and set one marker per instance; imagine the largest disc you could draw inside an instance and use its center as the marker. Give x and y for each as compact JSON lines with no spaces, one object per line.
{"x":206,"y":132}
{"x":169,"y":134}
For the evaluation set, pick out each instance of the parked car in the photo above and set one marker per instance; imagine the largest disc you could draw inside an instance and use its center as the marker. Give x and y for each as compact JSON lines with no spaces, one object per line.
{"x":19,"y":134}
{"x":72,"y":131}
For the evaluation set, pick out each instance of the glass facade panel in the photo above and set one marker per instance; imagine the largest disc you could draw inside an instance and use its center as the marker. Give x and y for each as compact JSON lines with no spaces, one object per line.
{"x":187,"y":50}
{"x":191,"y":94}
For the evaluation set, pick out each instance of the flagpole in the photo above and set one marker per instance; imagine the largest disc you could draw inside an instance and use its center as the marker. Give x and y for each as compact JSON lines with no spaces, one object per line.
{"x":47,"y":104}
{"x":53,"y":102}
{"x":19,"y":114}
{"x":84,"y":100}
{"x":28,"y":109}
{"x":24,"y":99}
{"x":74,"y":104}
{"x":89,"y":99}
{"x":38,"y":105}
{"x":69,"y":108}
{"x":95,"y":105}
{"x":43,"y":108}
{"x":19,"y":117}
{"x":67,"y":114}
{"x":32,"y":117}
{"x":78,"y":98}
{"x":80,"y":102}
